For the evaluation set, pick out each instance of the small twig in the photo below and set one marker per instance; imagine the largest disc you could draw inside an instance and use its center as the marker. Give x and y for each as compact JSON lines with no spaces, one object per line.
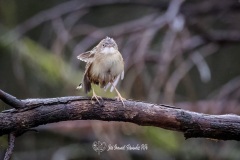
{"x":11,"y":143}
{"x":11,"y":100}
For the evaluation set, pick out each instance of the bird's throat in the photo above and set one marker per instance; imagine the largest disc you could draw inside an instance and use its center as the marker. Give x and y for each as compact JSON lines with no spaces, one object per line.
{"x":108,"y":50}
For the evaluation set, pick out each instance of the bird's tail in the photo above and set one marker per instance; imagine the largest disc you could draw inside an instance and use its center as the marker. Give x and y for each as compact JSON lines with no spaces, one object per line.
{"x":86,"y":84}
{"x":79,"y":86}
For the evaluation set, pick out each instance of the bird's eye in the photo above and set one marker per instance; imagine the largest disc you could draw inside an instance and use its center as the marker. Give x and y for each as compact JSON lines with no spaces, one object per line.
{"x":103,"y":45}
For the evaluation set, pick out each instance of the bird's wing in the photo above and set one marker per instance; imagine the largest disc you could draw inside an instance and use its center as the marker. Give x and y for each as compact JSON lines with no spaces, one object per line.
{"x":86,"y":56}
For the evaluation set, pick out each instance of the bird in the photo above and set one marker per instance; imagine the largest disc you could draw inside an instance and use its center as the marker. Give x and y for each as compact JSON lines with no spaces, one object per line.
{"x":104,"y":67}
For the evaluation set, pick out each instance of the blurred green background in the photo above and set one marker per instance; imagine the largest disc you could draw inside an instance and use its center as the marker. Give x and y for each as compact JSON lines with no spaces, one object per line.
{"x":184,"y":53}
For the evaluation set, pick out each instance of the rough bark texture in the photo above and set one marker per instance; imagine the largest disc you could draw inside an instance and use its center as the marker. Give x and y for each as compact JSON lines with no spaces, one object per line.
{"x":42,"y":111}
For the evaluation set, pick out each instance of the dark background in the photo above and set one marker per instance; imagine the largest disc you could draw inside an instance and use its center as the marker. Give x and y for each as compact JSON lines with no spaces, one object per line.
{"x":182,"y":53}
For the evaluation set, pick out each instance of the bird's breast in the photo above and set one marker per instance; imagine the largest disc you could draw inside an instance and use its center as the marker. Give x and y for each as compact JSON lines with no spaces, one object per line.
{"x":107,"y":67}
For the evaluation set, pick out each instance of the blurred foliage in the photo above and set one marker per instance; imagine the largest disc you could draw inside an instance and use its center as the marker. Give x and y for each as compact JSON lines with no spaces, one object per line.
{"x":160,"y":137}
{"x":174,"y":52}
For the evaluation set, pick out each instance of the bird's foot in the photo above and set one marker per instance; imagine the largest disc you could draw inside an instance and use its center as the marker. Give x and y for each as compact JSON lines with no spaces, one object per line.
{"x":120,"y":98}
{"x":95,"y":96}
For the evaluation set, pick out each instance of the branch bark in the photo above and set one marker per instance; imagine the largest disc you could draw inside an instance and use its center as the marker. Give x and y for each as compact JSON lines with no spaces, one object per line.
{"x":42,"y":111}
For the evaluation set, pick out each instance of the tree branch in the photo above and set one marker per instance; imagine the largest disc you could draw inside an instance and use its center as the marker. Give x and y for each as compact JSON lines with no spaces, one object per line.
{"x":42,"y":111}
{"x":11,"y":142}
{"x":11,"y":100}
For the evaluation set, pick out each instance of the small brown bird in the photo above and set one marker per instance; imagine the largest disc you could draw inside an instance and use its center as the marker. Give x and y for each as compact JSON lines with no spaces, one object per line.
{"x":105,"y":66}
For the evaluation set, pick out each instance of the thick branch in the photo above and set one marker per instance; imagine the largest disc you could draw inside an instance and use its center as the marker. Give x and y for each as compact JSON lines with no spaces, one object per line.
{"x":42,"y":111}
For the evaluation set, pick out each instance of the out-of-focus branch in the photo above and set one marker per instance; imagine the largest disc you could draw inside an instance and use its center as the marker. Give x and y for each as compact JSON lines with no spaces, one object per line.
{"x":204,"y":8}
{"x":42,"y":111}
{"x":231,"y":90}
{"x":215,"y":107}
{"x":61,"y":10}
{"x":219,"y":36}
{"x":188,"y":9}
{"x":182,"y":70}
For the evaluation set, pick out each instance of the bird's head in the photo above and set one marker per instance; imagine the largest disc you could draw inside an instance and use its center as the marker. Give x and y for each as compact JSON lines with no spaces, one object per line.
{"x":107,"y":46}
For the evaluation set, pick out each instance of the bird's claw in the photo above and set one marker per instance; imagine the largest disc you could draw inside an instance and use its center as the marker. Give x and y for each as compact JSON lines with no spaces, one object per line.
{"x":120,"y":98}
{"x":97,"y":99}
